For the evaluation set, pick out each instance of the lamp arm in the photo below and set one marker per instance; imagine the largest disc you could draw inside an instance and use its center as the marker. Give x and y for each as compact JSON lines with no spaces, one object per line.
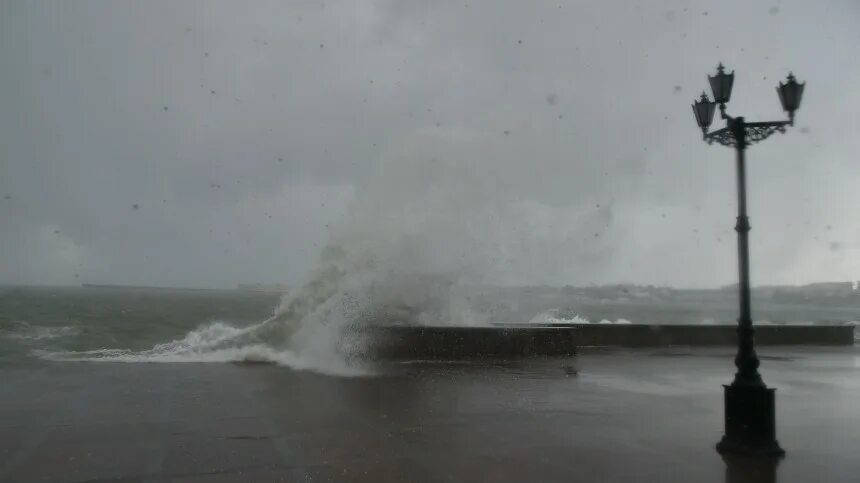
{"x":723,"y":114}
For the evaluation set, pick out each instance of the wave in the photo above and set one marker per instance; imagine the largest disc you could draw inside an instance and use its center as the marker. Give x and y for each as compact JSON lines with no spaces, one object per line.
{"x":550,"y":317}
{"x":315,"y":328}
{"x":257,"y":353}
{"x":27,"y":332}
{"x":216,"y":342}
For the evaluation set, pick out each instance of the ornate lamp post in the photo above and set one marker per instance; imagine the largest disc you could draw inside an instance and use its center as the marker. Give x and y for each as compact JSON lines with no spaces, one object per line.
{"x":750,"y":422}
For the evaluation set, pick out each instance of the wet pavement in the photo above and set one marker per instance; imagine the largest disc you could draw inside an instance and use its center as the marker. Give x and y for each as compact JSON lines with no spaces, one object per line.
{"x":606,"y":415}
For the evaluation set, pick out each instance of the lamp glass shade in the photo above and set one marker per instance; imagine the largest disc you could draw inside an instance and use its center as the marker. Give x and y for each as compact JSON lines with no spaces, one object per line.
{"x":703,"y":109}
{"x":790,"y":94}
{"x":721,"y":85}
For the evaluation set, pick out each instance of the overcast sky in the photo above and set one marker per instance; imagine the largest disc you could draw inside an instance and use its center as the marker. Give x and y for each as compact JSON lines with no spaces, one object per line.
{"x":213,"y":143}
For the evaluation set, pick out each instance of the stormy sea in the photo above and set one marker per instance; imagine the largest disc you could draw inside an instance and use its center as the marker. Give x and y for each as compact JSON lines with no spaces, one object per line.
{"x":311,"y":328}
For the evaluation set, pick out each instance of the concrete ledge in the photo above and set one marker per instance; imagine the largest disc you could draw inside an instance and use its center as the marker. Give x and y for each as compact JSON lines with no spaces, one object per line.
{"x":561,"y":340}
{"x":642,"y":335}
{"x":439,"y":343}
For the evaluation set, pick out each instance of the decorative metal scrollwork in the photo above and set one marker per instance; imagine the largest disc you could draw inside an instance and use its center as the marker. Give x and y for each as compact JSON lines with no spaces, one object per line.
{"x":755,"y":132}
{"x":723,"y":136}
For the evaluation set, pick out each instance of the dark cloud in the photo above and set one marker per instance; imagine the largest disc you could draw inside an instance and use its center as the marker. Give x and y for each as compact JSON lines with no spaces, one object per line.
{"x":240,"y":131}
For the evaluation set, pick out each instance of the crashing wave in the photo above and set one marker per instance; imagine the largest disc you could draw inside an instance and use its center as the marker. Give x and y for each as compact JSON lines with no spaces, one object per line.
{"x":317,"y":327}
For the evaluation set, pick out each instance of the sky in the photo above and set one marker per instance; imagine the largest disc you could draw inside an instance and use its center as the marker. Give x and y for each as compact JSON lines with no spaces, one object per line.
{"x":212,"y":143}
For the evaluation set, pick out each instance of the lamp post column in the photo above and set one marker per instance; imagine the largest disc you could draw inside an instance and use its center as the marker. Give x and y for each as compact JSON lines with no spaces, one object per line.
{"x":746,"y":360}
{"x":750,"y":408}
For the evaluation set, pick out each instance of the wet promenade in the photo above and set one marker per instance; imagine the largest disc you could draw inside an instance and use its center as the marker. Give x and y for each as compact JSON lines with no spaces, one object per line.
{"x":648,"y":415}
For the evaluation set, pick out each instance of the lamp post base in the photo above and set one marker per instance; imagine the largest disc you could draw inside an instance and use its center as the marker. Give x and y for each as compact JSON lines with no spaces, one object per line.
{"x":750,"y":421}
{"x":745,"y":469}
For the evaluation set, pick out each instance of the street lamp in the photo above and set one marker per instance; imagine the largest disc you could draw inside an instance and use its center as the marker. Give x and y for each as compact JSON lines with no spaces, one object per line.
{"x":750,"y":420}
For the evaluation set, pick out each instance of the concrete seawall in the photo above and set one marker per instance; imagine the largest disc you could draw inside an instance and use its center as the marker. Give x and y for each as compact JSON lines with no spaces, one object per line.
{"x":561,"y":340}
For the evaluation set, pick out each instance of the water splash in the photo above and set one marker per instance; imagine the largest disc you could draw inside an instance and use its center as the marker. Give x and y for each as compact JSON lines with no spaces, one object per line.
{"x":553,"y":317}
{"x":430,"y":219}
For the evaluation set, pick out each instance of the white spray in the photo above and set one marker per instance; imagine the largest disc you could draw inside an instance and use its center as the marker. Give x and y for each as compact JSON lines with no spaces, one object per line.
{"x":435,"y":214}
